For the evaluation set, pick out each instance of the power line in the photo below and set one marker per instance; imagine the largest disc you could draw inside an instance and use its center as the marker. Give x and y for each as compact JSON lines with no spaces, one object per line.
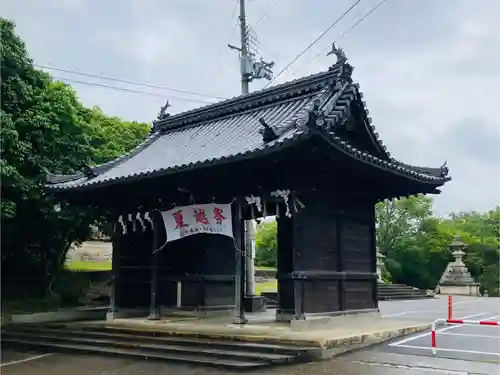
{"x":267,"y":12}
{"x":116,"y":88}
{"x":135,"y":83}
{"x":349,"y":30}
{"x":314,"y":42}
{"x":236,"y":3}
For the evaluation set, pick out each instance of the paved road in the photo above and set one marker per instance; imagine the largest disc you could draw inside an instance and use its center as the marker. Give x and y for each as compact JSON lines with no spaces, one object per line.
{"x":461,"y":348}
{"x":384,"y":359}
{"x":430,"y":309}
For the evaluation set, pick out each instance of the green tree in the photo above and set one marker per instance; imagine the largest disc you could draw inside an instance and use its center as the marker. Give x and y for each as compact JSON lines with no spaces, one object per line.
{"x":400,"y":218}
{"x":266,"y":244}
{"x":111,"y":137}
{"x":481,"y":231}
{"x":44,"y":127}
{"x":41,"y":129}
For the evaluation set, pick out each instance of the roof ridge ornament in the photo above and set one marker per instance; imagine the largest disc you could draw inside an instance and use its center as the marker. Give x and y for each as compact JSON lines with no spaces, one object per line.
{"x":345,"y":68}
{"x":163,"y":111}
{"x":339,"y":53}
{"x":444,"y":169}
{"x":88,"y":171}
{"x":268,"y":133}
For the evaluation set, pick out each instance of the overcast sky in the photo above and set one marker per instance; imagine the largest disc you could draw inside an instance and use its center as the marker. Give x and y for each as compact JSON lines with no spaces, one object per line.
{"x":429,"y":70}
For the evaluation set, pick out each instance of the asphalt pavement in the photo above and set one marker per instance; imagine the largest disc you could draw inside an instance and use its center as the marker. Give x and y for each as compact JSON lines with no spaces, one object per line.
{"x":462,"y":350}
{"x":64,"y":364}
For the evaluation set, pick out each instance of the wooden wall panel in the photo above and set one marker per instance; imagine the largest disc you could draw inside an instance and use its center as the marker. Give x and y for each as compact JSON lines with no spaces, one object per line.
{"x":321,"y":296}
{"x":359,"y":294}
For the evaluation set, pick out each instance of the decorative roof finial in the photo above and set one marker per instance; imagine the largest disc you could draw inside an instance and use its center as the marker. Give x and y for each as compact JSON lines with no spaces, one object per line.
{"x":444,"y":169}
{"x":163,"y":111}
{"x":345,"y":69}
{"x":268,"y":133}
{"x":339,"y":53}
{"x":88,"y":172}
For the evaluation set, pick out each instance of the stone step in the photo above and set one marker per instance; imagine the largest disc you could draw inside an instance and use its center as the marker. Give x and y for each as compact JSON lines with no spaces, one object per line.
{"x":402,"y":297}
{"x":134,"y":352}
{"x":157,"y":337}
{"x":154,"y":347}
{"x":153,"y":344}
{"x":410,"y":292}
{"x":394,"y":287}
{"x":211,"y":337}
{"x":393,"y":295}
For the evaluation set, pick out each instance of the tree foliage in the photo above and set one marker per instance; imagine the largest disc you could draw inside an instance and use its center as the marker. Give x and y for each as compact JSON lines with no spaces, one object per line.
{"x":45,"y":127}
{"x":416,"y":243}
{"x":266,"y":244}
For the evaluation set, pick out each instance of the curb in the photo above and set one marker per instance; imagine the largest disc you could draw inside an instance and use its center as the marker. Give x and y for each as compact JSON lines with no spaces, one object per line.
{"x":92,"y":313}
{"x":346,"y":344}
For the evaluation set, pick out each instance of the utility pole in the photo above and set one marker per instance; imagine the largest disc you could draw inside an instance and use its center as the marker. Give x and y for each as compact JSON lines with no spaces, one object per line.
{"x":244,"y":48}
{"x":250,"y":70}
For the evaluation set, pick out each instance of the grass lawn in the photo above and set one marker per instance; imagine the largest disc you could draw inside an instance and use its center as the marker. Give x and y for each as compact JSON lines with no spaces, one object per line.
{"x":270,"y":286}
{"x":89,"y":265}
{"x":265,"y":268}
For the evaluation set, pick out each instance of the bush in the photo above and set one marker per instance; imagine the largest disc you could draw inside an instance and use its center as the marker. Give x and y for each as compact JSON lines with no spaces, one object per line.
{"x":70,"y":287}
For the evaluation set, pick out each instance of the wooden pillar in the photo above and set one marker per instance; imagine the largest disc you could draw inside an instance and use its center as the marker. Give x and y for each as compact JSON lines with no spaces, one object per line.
{"x":373,"y":251}
{"x":289,"y":294}
{"x":239,"y":288}
{"x":298,"y":295}
{"x":115,"y":259}
{"x":340,"y":265}
{"x":154,"y":313}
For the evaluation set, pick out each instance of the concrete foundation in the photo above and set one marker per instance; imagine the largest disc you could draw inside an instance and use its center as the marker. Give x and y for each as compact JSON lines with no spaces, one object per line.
{"x":460,"y":290}
{"x":92,"y":313}
{"x":323,"y":341}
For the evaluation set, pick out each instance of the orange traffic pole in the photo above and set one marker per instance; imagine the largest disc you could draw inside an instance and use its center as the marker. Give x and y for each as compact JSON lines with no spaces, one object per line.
{"x":450,"y":307}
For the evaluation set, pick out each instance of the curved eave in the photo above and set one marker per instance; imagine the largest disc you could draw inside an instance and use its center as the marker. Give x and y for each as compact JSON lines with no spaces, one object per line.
{"x":438,"y":172}
{"x":390,"y":166}
{"x":55,"y":179}
{"x":337,"y":110}
{"x":374,"y":136}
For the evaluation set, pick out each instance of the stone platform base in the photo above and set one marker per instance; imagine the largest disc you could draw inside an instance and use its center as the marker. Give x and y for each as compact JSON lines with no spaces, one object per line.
{"x":254,"y":304}
{"x":340,"y":335}
{"x":460,"y":290}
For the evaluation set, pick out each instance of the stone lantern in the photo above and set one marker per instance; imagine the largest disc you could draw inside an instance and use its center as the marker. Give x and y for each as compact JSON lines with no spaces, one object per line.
{"x":456,"y":278}
{"x":380,"y":264}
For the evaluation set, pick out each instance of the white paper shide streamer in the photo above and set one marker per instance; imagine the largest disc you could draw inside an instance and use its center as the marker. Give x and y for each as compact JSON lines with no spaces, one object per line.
{"x":285,"y":195}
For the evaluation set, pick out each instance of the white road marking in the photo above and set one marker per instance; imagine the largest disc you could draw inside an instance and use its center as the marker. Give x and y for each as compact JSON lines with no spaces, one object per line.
{"x":406,"y":301}
{"x":492,"y":318}
{"x":409,"y":312}
{"x":465,"y":302}
{"x":420,"y":311}
{"x":469,"y":335}
{"x":25,"y":360}
{"x":411,"y":338}
{"x":449,"y":350}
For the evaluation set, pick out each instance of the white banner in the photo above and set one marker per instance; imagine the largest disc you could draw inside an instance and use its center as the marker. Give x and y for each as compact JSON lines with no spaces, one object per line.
{"x":185,"y":221}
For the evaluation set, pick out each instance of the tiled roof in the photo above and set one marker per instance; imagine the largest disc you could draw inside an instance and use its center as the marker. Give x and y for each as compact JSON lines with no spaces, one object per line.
{"x":232,"y":129}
